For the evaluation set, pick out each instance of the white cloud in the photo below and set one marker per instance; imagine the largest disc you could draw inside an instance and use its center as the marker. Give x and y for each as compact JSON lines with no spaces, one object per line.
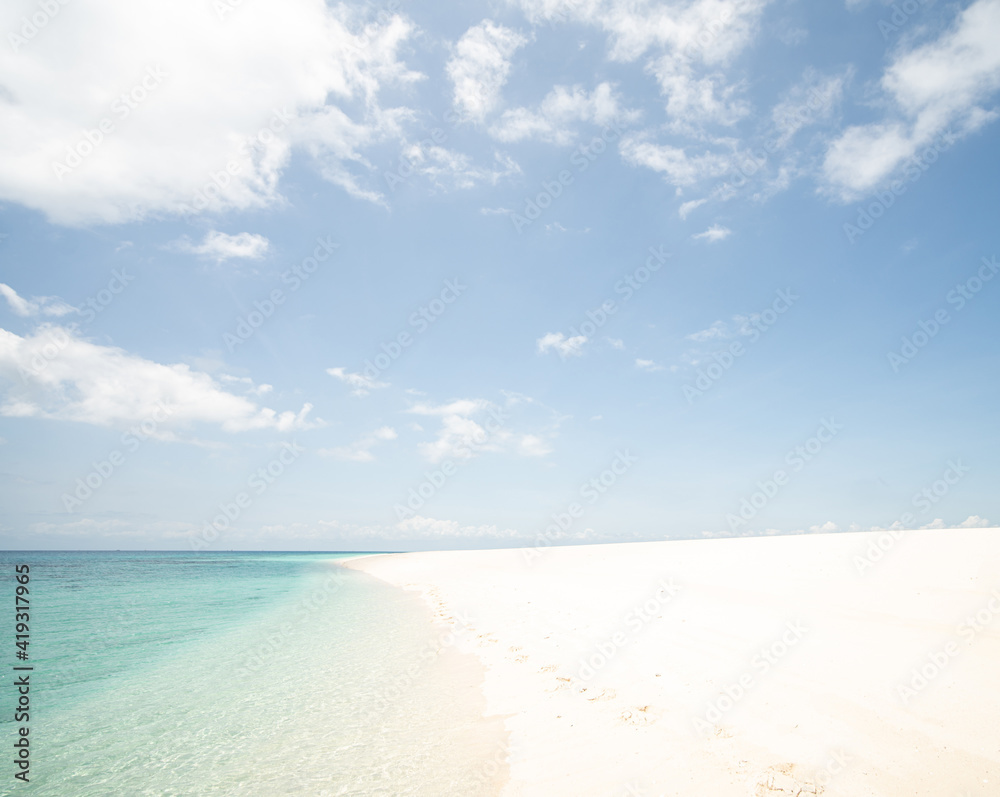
{"x":790,"y":34}
{"x":57,"y":375}
{"x":531,"y":445}
{"x":429,"y":528}
{"x":679,"y":168}
{"x":712,"y":31}
{"x":275,"y":72}
{"x":219,"y":246}
{"x":473,"y":426}
{"x":37,"y":305}
{"x":559,"y":228}
{"x":460,"y":436}
{"x":647,"y":365}
{"x":714,"y":233}
{"x":360,"y":450}
{"x":448,"y":169}
{"x":690,"y":46}
{"x":933,"y":89}
{"x":362,"y":385}
{"x":555,"y":118}
{"x":417,"y":527}
{"x":971,"y":522}
{"x":426,"y":527}
{"x":826,"y":528}
{"x":718,"y":331}
{"x":456,"y":407}
{"x":616,"y":343}
{"x":335,"y":142}
{"x":257,"y":390}
{"x":812,"y":100}
{"x":745,"y":324}
{"x":688,"y":206}
{"x":480,"y":66}
{"x":695,"y":99}
{"x":565,"y":347}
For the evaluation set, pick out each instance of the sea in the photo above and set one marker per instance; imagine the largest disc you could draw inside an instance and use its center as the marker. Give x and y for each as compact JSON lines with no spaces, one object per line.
{"x":240,"y":673}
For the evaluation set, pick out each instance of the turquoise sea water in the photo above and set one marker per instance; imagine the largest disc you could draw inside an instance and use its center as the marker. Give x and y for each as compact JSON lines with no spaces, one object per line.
{"x":242,"y":674}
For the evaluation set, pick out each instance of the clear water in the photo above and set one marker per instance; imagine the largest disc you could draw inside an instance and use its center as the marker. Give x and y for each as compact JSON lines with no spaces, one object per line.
{"x":240,"y":674}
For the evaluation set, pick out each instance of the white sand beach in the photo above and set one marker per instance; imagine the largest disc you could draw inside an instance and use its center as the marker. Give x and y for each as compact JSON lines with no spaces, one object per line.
{"x":793,"y":665}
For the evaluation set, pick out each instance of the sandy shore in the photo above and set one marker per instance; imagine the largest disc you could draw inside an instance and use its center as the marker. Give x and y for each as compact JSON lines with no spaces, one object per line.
{"x":844,"y":664}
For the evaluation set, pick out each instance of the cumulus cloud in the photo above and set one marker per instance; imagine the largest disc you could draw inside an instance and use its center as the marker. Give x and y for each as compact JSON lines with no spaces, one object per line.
{"x":709,"y":31}
{"x":360,"y":450}
{"x":686,"y":207}
{"x":461,"y":435}
{"x":474,"y":426}
{"x":933,"y":89}
{"x":446,"y":168}
{"x":647,"y":365}
{"x":479,"y":67}
{"x":696,"y":42}
{"x":360,"y":384}
{"x":559,"y":343}
{"x":55,"y":374}
{"x":36,"y":305}
{"x":974,"y":522}
{"x":219,"y":246}
{"x":694,"y":98}
{"x":555,"y":119}
{"x":691,"y":45}
{"x":714,"y":233}
{"x":677,"y":166}
{"x":118,"y":96}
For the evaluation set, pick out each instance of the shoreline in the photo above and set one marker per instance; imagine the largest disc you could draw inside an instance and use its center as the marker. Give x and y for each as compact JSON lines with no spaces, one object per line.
{"x":752,"y":665}
{"x":448,"y":683}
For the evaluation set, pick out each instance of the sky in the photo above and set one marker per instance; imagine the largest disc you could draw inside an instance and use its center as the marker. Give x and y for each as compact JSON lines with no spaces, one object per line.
{"x":389,"y":276}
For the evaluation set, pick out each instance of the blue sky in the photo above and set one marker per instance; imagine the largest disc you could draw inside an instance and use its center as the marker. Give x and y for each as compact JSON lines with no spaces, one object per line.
{"x":302,"y":276}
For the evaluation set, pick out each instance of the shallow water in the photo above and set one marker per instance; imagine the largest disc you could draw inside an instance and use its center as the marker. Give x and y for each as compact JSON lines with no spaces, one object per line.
{"x":242,"y":674}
